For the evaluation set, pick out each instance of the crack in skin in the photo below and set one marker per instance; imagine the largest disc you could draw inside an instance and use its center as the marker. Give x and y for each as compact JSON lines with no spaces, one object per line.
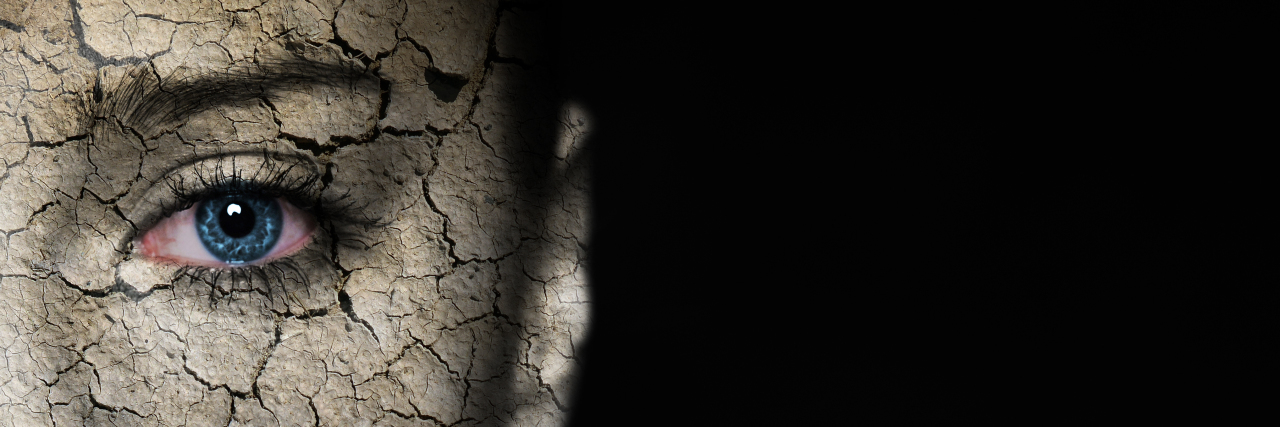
{"x":463,"y":296}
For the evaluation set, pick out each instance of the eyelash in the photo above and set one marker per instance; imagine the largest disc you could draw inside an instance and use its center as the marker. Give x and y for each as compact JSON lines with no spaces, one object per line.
{"x":273,"y":180}
{"x":215,"y":181}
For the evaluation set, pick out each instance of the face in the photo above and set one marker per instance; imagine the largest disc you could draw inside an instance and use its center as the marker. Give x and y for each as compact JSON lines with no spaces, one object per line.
{"x":286,"y":212}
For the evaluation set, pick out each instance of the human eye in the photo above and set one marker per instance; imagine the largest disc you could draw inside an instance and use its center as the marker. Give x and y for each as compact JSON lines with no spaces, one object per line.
{"x":237,"y":212}
{"x":231,"y":229}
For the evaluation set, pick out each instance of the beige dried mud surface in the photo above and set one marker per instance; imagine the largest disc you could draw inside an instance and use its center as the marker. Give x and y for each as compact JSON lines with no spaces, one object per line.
{"x":444,"y":286}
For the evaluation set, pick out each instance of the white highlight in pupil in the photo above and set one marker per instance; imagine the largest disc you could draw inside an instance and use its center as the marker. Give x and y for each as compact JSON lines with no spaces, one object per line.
{"x":233,"y":209}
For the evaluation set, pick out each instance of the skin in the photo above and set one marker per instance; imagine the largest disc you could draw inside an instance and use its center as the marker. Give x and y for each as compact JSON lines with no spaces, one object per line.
{"x":461,"y":305}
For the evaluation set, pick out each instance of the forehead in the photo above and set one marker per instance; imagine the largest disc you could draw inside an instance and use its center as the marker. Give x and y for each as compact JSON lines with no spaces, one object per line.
{"x":119,"y":30}
{"x":438,"y":46}
{"x":426,"y":55}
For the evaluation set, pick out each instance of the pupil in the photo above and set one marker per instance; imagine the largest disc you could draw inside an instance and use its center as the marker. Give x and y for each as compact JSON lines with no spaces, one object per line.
{"x":237,"y":219}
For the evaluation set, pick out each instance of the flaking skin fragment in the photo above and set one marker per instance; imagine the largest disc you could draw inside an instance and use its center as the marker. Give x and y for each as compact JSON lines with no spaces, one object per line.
{"x":456,"y":32}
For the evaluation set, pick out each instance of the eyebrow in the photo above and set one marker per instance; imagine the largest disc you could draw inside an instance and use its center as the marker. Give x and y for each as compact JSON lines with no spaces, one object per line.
{"x":144,"y":101}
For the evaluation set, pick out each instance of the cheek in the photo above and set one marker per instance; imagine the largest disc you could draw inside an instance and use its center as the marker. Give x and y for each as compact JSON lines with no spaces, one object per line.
{"x":174,"y":239}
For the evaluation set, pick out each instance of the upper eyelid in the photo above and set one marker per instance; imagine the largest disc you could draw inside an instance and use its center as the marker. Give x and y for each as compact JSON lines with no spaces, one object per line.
{"x":292,"y":158}
{"x":277,"y":178}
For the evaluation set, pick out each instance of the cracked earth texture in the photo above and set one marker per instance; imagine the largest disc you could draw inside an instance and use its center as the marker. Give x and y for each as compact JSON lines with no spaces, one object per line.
{"x":461,"y":305}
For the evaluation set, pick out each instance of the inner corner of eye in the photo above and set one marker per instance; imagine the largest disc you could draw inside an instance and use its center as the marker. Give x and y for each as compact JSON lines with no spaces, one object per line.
{"x":229,"y":230}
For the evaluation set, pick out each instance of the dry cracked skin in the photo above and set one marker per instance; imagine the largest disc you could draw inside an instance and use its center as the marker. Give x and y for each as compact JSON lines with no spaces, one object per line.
{"x":444,"y":283}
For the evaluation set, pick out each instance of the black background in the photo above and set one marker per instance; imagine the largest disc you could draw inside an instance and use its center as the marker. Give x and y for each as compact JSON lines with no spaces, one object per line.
{"x":661,"y":81}
{"x":925,"y":213}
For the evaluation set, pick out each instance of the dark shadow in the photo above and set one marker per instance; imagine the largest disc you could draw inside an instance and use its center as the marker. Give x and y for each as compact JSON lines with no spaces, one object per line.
{"x":444,"y":86}
{"x":637,"y":72}
{"x":11,"y":26}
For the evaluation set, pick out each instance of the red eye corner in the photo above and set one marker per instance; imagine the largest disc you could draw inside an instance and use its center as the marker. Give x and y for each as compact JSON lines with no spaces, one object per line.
{"x":233,"y":231}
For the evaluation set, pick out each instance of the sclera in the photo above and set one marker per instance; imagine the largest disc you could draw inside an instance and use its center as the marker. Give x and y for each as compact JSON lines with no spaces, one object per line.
{"x":174,"y":239}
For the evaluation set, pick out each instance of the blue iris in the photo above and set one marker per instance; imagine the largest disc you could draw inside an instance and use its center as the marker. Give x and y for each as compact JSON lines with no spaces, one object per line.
{"x":238,"y":228}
